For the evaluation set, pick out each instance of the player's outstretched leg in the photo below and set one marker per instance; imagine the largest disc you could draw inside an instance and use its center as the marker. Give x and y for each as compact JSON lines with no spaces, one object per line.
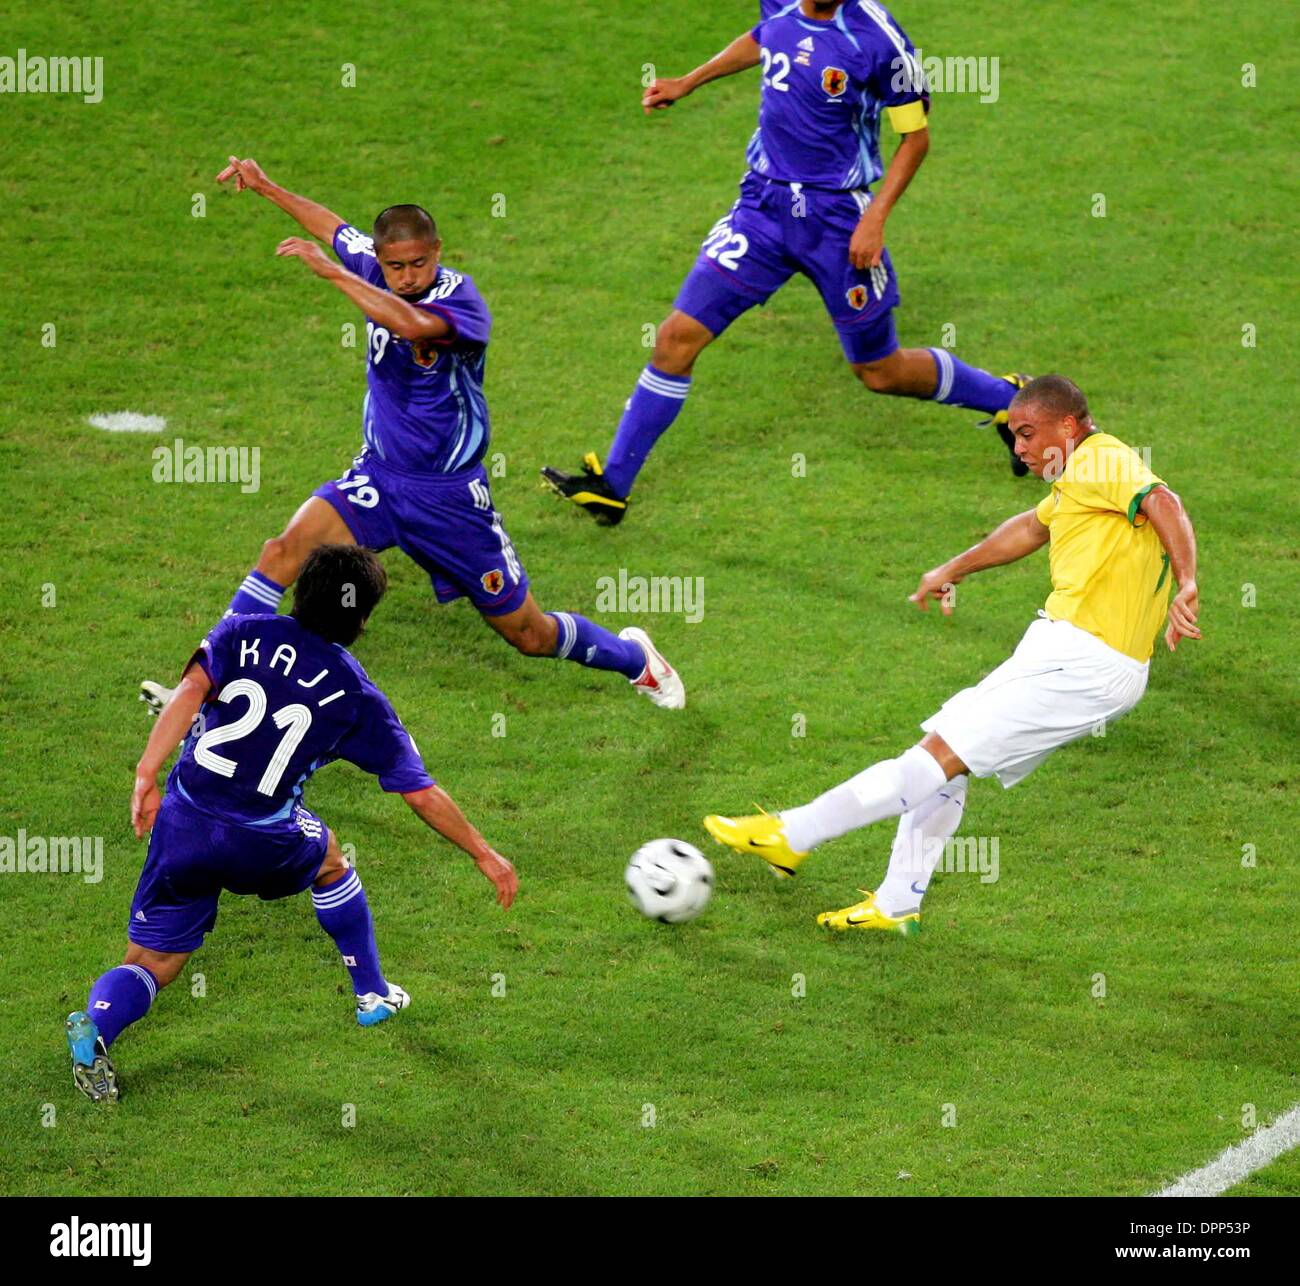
{"x":343,"y":912}
{"x":886,"y":789}
{"x":656,"y":401}
{"x":118,"y":998}
{"x":934,"y":373}
{"x":316,"y":523}
{"x":570,"y":637}
{"x":918,"y":847}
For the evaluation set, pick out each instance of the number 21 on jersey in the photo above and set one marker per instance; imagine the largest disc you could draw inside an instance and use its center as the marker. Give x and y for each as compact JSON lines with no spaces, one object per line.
{"x":295,"y":719}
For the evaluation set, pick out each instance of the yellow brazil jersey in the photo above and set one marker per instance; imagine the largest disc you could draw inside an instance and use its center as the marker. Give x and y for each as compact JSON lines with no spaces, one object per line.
{"x":1110,"y":573}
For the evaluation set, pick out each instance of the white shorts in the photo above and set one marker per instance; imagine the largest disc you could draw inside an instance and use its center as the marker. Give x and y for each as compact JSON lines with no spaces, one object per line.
{"x":1061,"y":683}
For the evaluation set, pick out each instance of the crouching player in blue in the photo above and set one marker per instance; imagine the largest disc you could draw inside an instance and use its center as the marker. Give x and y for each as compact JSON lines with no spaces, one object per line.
{"x":828,"y":71}
{"x":276,"y":697}
{"x":419,"y":482}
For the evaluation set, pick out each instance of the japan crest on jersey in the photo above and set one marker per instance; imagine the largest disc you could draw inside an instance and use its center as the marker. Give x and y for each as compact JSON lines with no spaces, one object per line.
{"x":835,"y":80}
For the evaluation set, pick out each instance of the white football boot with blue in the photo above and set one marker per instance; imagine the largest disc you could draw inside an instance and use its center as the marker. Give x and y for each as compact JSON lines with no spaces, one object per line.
{"x":373,"y":1008}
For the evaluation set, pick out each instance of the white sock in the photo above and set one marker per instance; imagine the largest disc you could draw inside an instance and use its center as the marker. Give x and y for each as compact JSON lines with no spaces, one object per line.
{"x":918,"y":847}
{"x":883,"y":790}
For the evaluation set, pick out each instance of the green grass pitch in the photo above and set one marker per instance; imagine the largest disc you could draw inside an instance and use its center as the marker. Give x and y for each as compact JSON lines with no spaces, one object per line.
{"x":975,"y":1059}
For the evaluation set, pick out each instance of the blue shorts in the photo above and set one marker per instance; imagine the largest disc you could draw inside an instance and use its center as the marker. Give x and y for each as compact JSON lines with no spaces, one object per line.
{"x":776,"y":230}
{"x":193,"y":856}
{"x":444,"y":522}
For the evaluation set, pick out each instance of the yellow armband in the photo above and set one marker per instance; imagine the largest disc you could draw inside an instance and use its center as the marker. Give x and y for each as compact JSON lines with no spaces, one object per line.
{"x":907,"y":119}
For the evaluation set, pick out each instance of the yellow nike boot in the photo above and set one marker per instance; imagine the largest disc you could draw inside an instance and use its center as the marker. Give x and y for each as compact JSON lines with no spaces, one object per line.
{"x":867,"y":915}
{"x":589,"y":490}
{"x":761,"y":834}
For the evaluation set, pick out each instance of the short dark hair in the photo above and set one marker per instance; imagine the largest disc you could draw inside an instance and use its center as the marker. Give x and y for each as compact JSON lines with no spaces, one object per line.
{"x":1056,"y":395}
{"x":337,"y":589}
{"x":404,"y":223}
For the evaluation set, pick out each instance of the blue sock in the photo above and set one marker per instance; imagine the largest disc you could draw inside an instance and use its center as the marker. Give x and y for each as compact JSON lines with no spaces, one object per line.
{"x":653,"y":406}
{"x":962,"y":385}
{"x":584,"y":641}
{"x":344,"y":914}
{"x":119,"y":998}
{"x":258,"y":593}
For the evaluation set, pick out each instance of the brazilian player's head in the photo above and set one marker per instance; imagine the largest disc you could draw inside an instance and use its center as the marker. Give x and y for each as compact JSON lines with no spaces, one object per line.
{"x":407,"y":246}
{"x":1049,"y":417}
{"x":337,"y":589}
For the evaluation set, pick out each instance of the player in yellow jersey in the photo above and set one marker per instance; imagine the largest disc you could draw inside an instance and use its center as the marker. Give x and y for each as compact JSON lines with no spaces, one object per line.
{"x":1119,"y":539}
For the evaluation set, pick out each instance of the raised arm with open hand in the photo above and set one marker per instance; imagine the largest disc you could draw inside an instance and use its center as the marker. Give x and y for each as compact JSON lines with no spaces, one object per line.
{"x":317,"y":219}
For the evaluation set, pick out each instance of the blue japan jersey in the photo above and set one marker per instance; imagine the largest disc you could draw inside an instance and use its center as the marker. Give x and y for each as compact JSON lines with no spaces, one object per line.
{"x":824,"y":84}
{"x":285,"y":703}
{"x":424,"y":410}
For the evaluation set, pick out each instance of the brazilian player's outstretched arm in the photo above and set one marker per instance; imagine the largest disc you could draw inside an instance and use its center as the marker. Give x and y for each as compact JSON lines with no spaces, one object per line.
{"x":168,"y":732}
{"x":1165,"y":512}
{"x":391,"y":311}
{"x":1014,"y":539}
{"x":319,"y":221}
{"x":740,"y":55}
{"x":438,"y":810}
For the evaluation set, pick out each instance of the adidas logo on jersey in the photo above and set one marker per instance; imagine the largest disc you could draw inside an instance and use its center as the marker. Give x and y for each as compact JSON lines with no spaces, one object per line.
{"x":446,"y":283}
{"x":806,"y":43}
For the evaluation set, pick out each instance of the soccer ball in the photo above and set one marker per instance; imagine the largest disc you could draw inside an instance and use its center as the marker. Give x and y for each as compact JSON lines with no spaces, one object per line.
{"x":669,"y":880}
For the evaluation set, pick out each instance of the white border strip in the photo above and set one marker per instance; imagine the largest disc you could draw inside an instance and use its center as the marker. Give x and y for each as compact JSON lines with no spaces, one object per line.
{"x":1238,"y":1162}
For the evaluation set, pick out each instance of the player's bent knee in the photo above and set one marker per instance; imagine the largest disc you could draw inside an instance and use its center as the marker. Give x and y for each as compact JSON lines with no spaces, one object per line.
{"x":943,"y":755}
{"x":879,"y":377}
{"x":275,"y":548}
{"x":280,"y":559}
{"x":531,"y":640}
{"x":163,"y":965}
{"x":679,"y":342}
{"x":334,"y":867}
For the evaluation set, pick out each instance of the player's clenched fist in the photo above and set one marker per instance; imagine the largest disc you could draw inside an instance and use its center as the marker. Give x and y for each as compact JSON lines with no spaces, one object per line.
{"x":246,"y":173}
{"x":664,"y":93}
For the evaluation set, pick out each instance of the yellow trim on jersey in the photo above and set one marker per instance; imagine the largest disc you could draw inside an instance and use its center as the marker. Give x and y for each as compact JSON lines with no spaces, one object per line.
{"x":908,"y":118}
{"x":1110,"y":572}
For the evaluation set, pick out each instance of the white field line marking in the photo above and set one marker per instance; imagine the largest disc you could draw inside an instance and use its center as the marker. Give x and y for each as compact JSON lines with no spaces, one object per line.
{"x":128,"y":422}
{"x":1234,"y":1164}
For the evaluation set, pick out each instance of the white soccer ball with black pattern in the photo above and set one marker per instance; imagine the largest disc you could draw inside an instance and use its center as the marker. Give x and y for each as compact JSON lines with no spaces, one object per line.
{"x":669,"y":880}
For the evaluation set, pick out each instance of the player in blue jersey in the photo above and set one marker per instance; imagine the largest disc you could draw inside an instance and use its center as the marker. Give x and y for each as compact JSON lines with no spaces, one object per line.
{"x":418,"y":482}
{"x":276,"y":698}
{"x":828,"y":72}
